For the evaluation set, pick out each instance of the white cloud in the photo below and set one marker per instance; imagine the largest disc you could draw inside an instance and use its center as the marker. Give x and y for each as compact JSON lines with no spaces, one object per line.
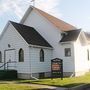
{"x":50,"y":6}
{"x":11,"y":5}
{"x":18,"y":6}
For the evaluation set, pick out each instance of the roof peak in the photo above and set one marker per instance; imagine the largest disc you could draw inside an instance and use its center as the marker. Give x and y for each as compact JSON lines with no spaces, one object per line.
{"x":60,"y":24}
{"x":56,"y":21}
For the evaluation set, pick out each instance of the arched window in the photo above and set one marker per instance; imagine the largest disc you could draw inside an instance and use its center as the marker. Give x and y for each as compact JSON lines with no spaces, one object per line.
{"x":41,"y":55}
{"x":21,"y":55}
{"x":0,"y":56}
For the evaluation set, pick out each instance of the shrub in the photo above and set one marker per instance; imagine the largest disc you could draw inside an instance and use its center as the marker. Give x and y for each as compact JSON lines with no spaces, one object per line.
{"x":8,"y":74}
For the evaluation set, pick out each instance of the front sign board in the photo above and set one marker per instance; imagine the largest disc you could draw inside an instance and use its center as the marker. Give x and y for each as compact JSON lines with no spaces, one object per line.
{"x":56,"y":68}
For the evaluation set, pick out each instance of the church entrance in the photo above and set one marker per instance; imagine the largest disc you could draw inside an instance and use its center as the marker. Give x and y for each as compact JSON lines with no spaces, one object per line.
{"x":10,"y":59}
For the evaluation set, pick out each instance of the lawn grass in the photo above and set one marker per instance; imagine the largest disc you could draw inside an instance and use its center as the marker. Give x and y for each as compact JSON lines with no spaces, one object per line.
{"x":12,"y":86}
{"x":66,"y":82}
{"x":26,"y":84}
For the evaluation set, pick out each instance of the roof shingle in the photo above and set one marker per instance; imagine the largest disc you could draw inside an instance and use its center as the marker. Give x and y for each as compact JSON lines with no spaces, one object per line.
{"x":70,"y":35}
{"x":63,"y":26}
{"x":30,"y":35}
{"x":60,"y":24}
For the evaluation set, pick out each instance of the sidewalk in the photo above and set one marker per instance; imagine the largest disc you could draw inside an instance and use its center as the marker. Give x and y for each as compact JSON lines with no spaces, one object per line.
{"x":48,"y":87}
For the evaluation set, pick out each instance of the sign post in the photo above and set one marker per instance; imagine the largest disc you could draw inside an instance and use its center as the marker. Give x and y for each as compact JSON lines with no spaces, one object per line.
{"x":56,"y":68}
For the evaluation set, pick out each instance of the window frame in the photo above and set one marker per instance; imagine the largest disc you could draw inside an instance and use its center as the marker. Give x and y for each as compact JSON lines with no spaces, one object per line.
{"x":21,"y":55}
{"x":66,"y":51}
{"x":41,"y":55}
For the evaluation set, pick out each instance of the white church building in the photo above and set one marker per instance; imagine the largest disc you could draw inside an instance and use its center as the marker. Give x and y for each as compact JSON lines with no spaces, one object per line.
{"x":39,"y":37}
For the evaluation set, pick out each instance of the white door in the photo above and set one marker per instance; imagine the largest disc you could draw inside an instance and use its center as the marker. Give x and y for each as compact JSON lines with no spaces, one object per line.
{"x":10,"y":58}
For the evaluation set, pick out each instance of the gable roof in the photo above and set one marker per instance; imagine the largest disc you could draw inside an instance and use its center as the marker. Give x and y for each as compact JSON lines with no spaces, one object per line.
{"x":70,"y":35}
{"x":30,"y":35}
{"x":63,"y":26}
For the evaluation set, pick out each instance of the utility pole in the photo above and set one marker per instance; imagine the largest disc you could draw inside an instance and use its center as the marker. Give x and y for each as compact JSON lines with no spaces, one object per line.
{"x":33,"y":3}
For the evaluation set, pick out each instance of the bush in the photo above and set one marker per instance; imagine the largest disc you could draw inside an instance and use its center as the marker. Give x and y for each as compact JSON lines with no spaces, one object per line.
{"x":8,"y":74}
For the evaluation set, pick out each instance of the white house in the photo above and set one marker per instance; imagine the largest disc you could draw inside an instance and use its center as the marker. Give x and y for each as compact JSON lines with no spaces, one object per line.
{"x":39,"y":37}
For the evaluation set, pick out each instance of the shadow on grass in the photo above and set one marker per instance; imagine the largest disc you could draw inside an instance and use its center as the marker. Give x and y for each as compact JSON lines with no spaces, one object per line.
{"x":38,"y":82}
{"x":72,"y":85}
{"x":44,"y":89}
{"x":64,"y":86}
{"x":10,"y":80}
{"x":87,"y":87}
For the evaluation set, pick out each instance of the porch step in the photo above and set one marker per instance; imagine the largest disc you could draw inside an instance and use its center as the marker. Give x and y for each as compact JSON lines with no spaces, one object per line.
{"x":8,"y":74}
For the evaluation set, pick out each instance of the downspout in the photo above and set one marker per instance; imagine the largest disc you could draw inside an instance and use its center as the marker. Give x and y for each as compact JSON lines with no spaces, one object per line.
{"x":73,"y":44}
{"x":30,"y":66}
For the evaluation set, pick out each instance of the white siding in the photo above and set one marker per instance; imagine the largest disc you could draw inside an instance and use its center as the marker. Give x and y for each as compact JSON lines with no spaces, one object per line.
{"x":12,"y":37}
{"x":36,"y":65}
{"x":53,"y":35}
{"x":81,"y":58}
{"x":88,"y":47}
{"x":46,"y":29}
{"x":68,"y":63}
{"x":31,"y":62}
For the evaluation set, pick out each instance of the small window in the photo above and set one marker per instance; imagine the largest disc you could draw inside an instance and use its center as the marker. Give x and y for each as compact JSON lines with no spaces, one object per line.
{"x":21,"y":55}
{"x":41,"y":55}
{"x":67,"y":52}
{"x":88,"y":54}
{"x":0,"y":57}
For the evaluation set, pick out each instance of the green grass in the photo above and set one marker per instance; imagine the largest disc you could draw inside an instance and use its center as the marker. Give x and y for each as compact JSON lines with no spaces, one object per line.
{"x":26,"y":84}
{"x":14,"y":87}
{"x":18,"y":87}
{"x":66,"y":82}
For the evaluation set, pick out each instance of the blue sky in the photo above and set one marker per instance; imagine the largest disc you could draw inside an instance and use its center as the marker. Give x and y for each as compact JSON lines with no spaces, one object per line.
{"x":75,"y":12}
